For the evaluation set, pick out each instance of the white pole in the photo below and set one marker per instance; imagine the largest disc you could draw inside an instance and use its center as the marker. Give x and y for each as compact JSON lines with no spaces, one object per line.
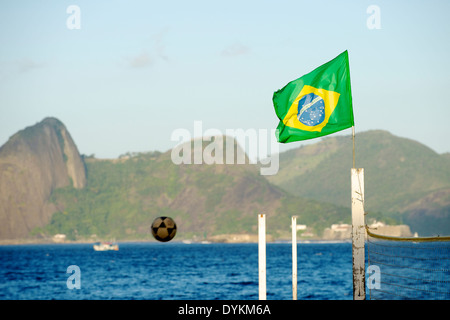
{"x":358,"y":234}
{"x":294,"y":258}
{"x":353,"y":139}
{"x":262,"y":255}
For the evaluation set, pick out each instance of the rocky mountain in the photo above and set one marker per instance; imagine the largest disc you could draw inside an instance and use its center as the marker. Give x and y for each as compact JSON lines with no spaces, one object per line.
{"x":403,"y":178}
{"x":33,"y":163}
{"x":46,"y":188}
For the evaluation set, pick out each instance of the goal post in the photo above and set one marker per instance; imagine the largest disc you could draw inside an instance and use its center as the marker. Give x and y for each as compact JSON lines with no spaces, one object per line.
{"x":358,"y":234}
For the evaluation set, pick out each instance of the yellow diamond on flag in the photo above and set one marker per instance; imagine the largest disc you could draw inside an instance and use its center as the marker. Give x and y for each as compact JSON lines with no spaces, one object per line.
{"x":311,"y":109}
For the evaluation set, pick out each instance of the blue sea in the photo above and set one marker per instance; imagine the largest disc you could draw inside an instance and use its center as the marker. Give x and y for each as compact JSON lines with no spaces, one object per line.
{"x":173,"y":271}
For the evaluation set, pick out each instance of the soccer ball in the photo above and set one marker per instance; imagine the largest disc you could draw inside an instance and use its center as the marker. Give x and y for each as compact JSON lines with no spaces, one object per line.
{"x":164,"y":229}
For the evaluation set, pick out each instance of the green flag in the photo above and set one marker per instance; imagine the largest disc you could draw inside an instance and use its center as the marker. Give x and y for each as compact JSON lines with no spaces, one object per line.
{"x":317,"y":104}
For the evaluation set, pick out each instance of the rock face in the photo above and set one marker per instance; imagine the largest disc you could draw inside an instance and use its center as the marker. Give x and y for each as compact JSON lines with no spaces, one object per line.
{"x":33,"y":163}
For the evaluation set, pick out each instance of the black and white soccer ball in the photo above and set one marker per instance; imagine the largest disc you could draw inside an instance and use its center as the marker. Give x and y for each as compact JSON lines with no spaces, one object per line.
{"x":164,"y":229}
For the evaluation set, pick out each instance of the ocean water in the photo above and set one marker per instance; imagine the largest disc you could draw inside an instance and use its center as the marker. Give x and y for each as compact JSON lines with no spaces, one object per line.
{"x":173,"y":271}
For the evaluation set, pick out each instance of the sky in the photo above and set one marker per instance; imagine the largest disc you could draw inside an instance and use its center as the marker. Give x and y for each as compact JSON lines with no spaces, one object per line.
{"x":124,"y":75}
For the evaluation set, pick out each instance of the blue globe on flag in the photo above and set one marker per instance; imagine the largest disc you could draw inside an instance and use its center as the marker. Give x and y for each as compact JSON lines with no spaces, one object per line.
{"x":311,"y":110}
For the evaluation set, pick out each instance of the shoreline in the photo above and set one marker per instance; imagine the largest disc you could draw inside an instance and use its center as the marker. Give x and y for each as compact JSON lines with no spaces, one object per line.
{"x":181,"y":241}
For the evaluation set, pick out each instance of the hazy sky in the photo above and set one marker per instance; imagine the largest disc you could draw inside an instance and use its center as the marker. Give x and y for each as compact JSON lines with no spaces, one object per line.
{"x":137,"y":70}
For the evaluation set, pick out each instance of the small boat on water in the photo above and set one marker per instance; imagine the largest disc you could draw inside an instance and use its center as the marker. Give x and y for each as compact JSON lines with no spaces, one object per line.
{"x":105,"y":246}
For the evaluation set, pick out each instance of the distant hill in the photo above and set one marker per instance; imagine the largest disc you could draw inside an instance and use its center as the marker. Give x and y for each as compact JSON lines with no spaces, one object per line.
{"x":403,"y":178}
{"x":123,"y":196}
{"x":33,"y":163}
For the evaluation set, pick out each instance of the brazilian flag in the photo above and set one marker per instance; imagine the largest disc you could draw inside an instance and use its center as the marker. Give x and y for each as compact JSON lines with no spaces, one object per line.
{"x":316,"y":104}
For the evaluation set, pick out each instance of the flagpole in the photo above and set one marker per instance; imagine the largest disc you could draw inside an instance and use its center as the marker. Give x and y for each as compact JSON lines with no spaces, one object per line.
{"x":353,"y":138}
